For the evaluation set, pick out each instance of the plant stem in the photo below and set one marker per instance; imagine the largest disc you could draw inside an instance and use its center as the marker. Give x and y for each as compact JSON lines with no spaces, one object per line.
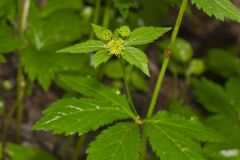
{"x":79,"y":147}
{"x":96,"y":16}
{"x":161,"y":76}
{"x":23,"y":10}
{"x":107,"y":14}
{"x":127,"y":87}
{"x":5,"y":131}
{"x":166,"y":59}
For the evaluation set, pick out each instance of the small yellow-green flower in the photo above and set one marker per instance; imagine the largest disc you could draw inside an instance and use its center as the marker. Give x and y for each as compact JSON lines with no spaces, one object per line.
{"x":115,"y":46}
{"x":106,"y":35}
{"x":124,"y":31}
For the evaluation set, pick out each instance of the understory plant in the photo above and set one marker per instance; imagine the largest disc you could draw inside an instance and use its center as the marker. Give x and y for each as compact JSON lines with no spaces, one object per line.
{"x":124,"y":134}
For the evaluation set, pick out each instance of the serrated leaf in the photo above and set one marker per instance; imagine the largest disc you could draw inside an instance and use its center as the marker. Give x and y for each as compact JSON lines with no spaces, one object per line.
{"x":8,"y":41}
{"x":98,"y":30}
{"x":191,"y":127}
{"x":213,"y":97}
{"x":85,"y":47}
{"x":119,"y":142}
{"x":72,"y":115}
{"x":170,"y":145}
{"x":136,"y":57}
{"x":90,"y":87}
{"x":173,"y":137}
{"x":100,"y":57}
{"x":145,"y":35}
{"x":220,"y":9}
{"x":43,"y":33}
{"x":42,"y":65}
{"x":17,"y":152}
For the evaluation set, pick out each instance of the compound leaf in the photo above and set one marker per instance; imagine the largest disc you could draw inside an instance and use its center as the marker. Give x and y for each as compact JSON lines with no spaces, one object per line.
{"x":178,"y":137}
{"x":72,"y":115}
{"x":90,"y":87}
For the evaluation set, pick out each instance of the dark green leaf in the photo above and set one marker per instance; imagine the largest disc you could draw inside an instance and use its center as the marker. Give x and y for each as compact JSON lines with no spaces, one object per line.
{"x":17,"y":152}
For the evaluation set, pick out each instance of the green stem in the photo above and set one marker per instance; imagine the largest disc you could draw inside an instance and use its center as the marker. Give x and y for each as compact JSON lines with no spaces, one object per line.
{"x":96,"y":16}
{"x":79,"y":147}
{"x":107,"y":14}
{"x":5,"y":131}
{"x":161,"y":76}
{"x":166,"y":59}
{"x":23,"y":11}
{"x":127,"y":87}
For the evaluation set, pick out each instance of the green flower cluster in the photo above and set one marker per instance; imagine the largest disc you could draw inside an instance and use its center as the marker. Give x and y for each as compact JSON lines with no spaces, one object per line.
{"x":115,"y":42}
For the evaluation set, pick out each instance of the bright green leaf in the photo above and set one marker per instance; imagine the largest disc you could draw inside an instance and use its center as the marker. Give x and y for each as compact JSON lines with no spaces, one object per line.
{"x":220,"y":9}
{"x":98,"y":30}
{"x":173,"y":137}
{"x":17,"y":152}
{"x":90,"y":87}
{"x":136,"y":57}
{"x":191,"y":127}
{"x":85,"y":47}
{"x":145,"y":35}
{"x":71,"y":116}
{"x":101,"y":56}
{"x":119,"y":142}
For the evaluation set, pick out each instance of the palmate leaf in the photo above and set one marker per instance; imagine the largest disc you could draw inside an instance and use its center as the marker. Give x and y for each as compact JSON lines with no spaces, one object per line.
{"x":220,"y":9}
{"x":119,"y":142}
{"x":145,"y":35}
{"x":17,"y":152}
{"x":85,"y":47}
{"x":101,"y":56}
{"x":72,"y":115}
{"x":136,"y":57}
{"x":173,"y":137}
{"x":90,"y":87}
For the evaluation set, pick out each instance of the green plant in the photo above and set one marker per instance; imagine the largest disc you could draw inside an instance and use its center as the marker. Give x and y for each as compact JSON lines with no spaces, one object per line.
{"x":92,"y":105}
